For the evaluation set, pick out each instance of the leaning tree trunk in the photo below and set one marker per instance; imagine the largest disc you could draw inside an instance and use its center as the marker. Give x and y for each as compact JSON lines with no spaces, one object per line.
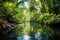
{"x":5,"y":26}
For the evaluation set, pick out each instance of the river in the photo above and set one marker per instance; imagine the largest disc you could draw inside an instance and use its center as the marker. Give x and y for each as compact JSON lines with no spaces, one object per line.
{"x":32,"y":31}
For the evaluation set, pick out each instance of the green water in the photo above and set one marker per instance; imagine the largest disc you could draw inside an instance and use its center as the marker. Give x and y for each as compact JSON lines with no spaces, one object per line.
{"x":33,"y":31}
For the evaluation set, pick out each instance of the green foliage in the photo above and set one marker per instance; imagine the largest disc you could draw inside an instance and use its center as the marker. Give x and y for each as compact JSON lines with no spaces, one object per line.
{"x":47,"y":32}
{"x":43,"y":13}
{"x":35,"y":17}
{"x":57,"y":19}
{"x":18,"y":30}
{"x":49,"y":18}
{"x":45,"y":17}
{"x":18,"y":16}
{"x":9,"y":8}
{"x":45,"y":10}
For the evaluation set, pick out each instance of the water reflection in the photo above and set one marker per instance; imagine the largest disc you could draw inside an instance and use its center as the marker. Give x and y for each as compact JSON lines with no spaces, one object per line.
{"x":31,"y":31}
{"x":37,"y":36}
{"x":25,"y":37}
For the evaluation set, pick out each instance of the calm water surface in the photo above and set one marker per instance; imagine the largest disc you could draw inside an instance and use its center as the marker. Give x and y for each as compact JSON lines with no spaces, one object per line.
{"x":32,"y":31}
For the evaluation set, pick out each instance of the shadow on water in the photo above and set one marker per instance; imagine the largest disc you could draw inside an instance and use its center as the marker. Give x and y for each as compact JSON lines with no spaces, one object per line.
{"x":32,"y":31}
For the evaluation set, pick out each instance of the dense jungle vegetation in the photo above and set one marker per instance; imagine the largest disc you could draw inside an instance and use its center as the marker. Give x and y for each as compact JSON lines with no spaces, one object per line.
{"x":45,"y":11}
{"x":15,"y":12}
